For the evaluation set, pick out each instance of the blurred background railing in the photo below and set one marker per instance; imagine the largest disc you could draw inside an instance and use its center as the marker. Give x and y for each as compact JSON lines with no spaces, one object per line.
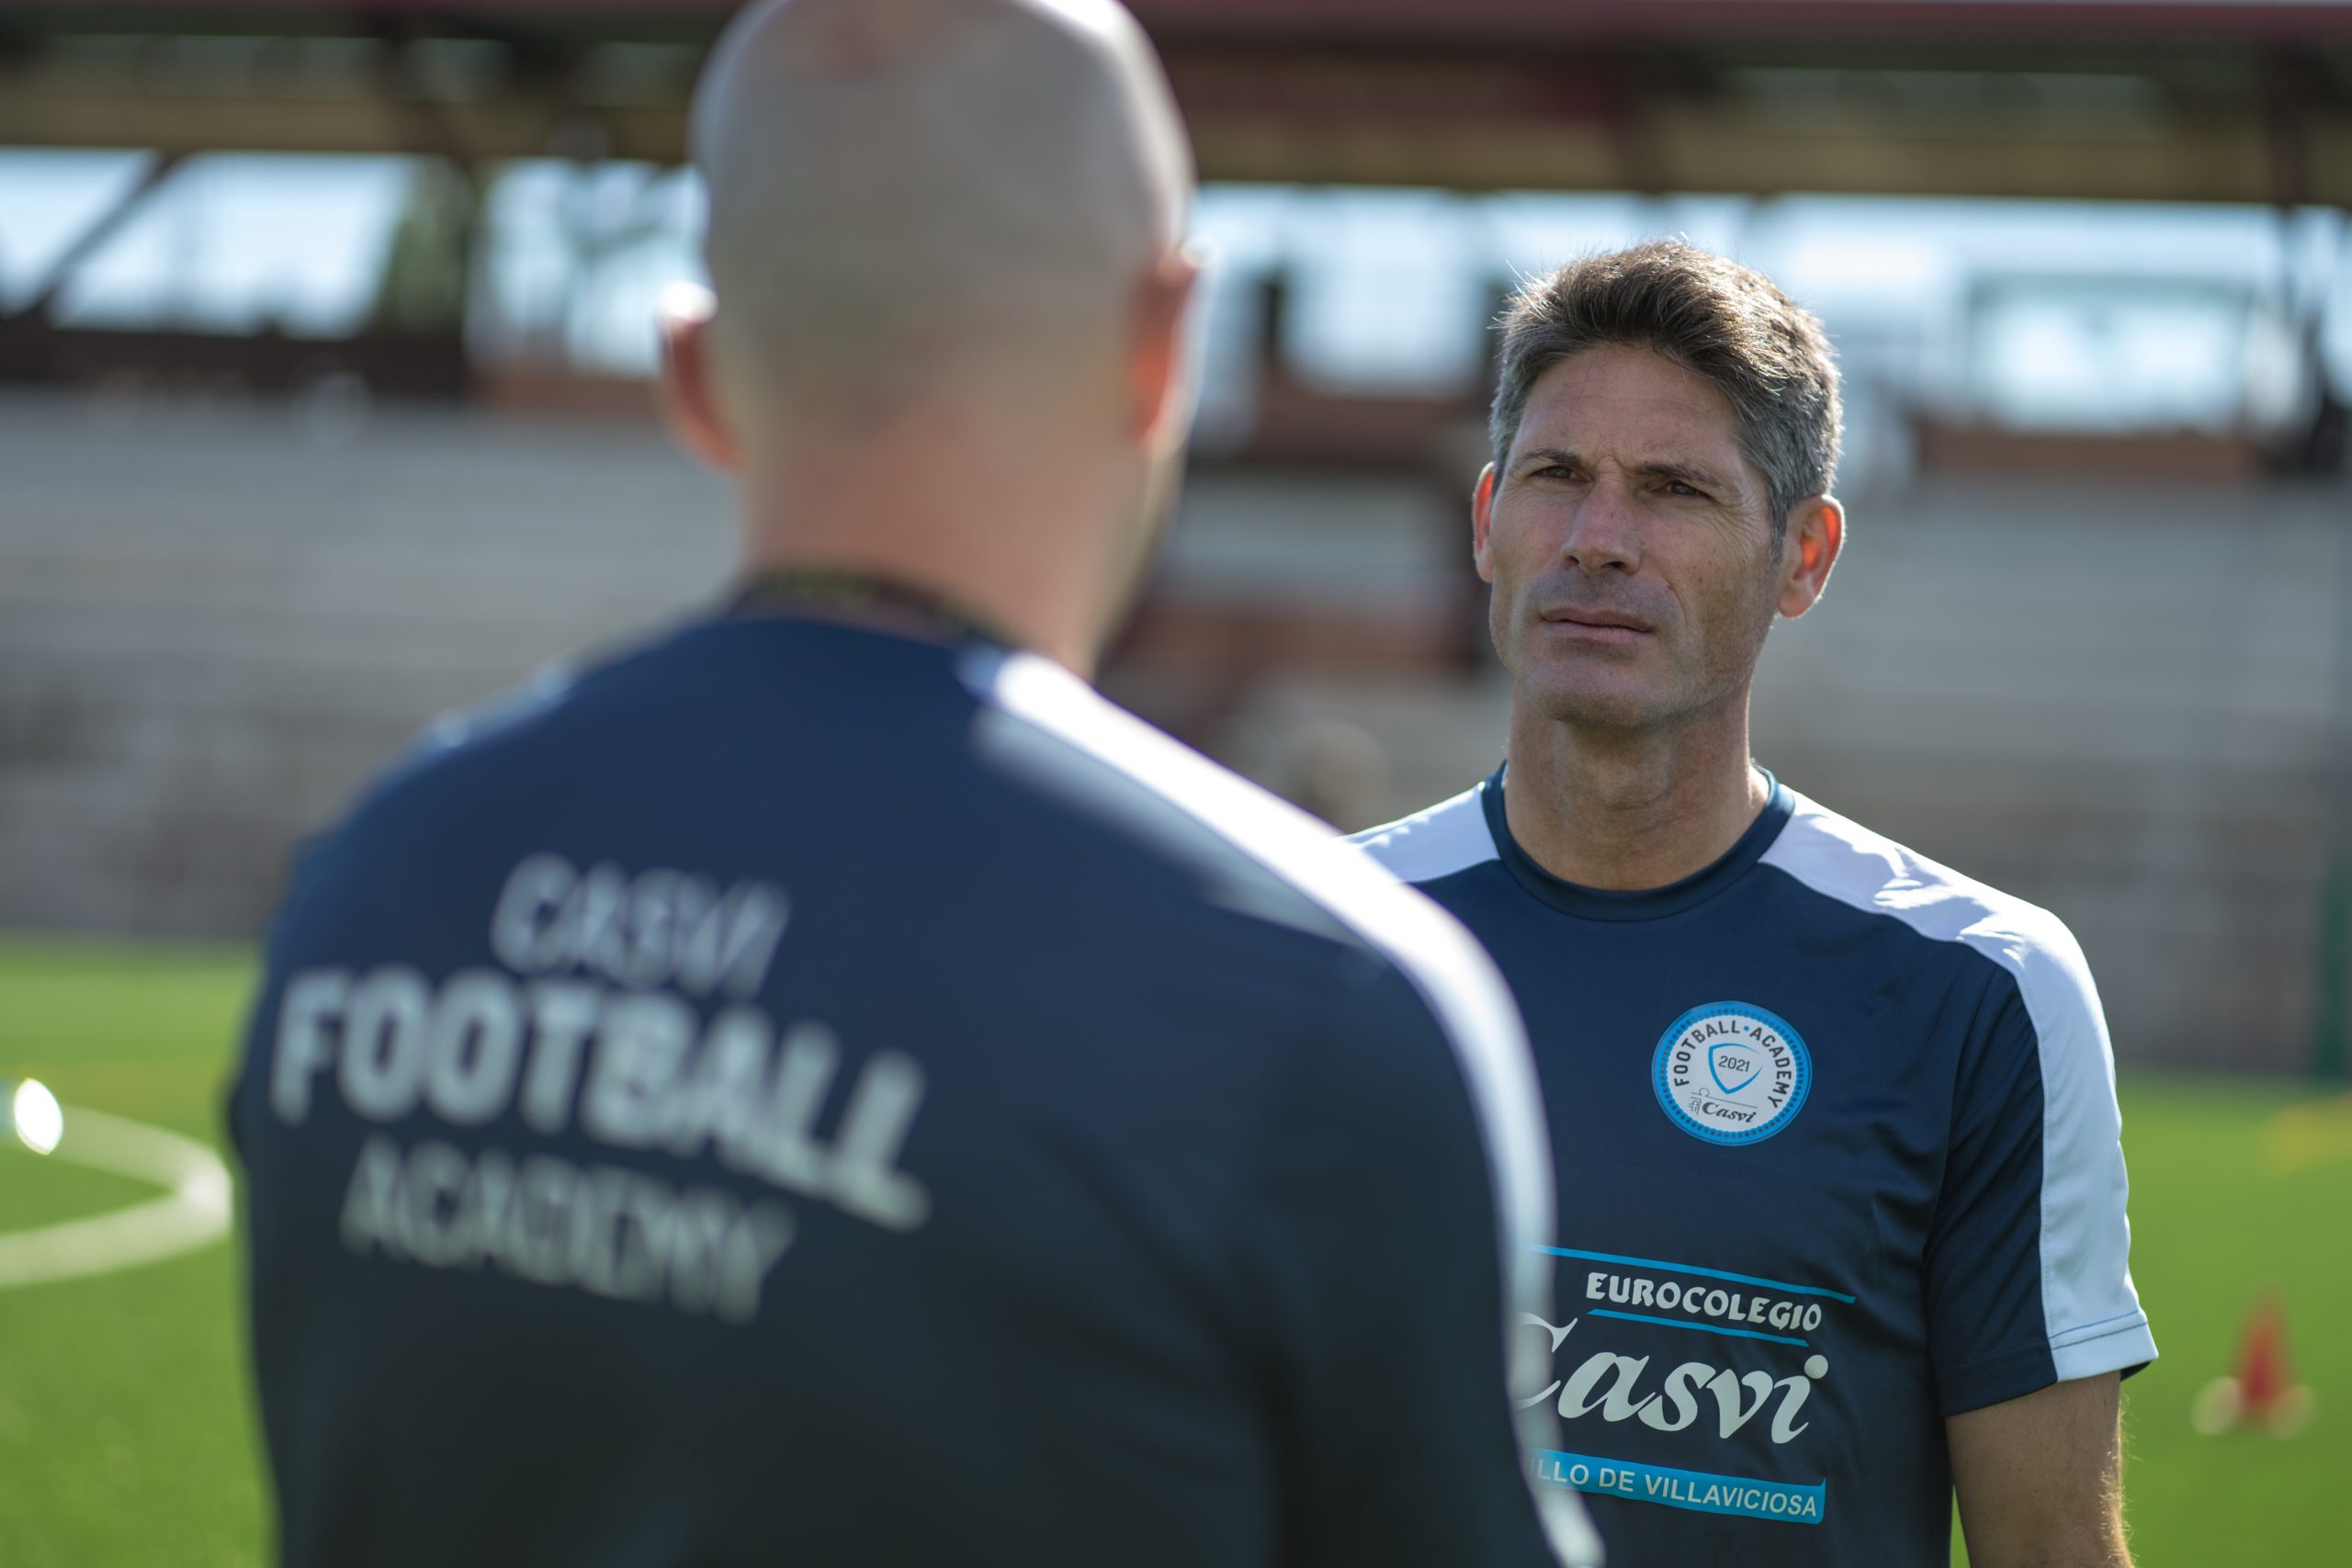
{"x":324,"y":332}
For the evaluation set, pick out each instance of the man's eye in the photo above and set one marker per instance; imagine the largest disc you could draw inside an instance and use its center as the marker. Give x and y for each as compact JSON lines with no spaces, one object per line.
{"x":1676,"y":487}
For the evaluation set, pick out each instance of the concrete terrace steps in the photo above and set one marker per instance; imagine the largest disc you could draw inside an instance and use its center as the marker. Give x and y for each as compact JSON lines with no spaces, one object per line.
{"x":215,"y":623}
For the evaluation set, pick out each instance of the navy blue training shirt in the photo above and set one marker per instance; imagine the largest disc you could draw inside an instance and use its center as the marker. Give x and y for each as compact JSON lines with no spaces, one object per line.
{"x":1839,"y":1157}
{"x":801,"y":1094}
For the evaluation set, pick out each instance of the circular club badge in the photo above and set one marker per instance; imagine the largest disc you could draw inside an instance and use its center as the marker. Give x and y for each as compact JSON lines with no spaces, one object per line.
{"x":1732,"y":1073}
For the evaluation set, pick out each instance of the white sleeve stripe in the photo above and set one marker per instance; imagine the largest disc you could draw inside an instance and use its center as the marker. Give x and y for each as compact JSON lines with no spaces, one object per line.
{"x":2100,"y":1330}
{"x":1451,"y":836}
{"x":2085,"y":1236}
{"x":1444,"y":965}
{"x":2110,"y":1351}
{"x":1452,"y":972}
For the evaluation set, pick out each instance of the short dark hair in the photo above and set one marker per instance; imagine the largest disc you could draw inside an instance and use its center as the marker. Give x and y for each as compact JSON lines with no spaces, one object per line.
{"x":1708,"y":314}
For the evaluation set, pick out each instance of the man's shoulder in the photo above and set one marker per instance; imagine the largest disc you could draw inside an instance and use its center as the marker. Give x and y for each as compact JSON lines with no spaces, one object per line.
{"x":516,"y":724}
{"x":1450,"y":837}
{"x":1457,"y":986}
{"x":1154,"y":781}
{"x":1839,"y":860}
{"x":703,"y":698}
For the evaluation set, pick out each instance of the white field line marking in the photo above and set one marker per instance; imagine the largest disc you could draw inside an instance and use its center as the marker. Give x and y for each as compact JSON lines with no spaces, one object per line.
{"x":194,"y":1212}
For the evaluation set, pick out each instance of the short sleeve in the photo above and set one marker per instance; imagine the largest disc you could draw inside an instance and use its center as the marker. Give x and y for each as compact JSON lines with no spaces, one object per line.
{"x":2028,"y":1256}
{"x":1378,"y":1245}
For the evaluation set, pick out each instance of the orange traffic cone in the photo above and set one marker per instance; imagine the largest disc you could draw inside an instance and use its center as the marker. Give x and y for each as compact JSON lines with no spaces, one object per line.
{"x":2263,"y":1393}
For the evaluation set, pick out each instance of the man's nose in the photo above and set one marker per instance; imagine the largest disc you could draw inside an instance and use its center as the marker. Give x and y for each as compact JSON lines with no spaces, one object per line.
{"x":1604,"y":530}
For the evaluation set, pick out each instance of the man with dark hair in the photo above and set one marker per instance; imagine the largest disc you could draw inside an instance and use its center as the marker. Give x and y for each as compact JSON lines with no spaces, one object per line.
{"x":1850,"y":1223}
{"x":825,"y":1087}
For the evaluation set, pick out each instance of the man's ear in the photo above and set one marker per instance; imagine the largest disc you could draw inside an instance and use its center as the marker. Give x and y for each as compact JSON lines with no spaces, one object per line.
{"x":1482,"y":524}
{"x":1815,"y":534}
{"x":690,"y":405}
{"x":1159,"y":391}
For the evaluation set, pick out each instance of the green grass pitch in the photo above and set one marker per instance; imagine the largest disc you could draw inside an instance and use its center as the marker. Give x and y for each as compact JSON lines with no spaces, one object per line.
{"x":127,"y":1433}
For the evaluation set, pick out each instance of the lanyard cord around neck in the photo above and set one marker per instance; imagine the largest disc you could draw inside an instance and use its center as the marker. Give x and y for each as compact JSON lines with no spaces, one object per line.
{"x":787,"y":589}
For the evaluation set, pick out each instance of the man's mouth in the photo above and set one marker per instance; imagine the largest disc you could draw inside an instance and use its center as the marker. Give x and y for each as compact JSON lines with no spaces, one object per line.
{"x":1614,"y":624}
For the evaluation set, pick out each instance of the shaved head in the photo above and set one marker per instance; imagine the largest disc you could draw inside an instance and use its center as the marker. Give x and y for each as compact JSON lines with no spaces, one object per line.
{"x":906,"y":192}
{"x":945,"y":340}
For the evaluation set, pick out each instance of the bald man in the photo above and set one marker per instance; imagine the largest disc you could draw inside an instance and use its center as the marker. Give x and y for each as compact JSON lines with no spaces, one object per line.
{"x":824,"y":1087}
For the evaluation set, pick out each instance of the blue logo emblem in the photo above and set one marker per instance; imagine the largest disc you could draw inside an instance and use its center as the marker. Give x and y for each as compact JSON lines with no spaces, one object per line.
{"x":1731,"y":1073}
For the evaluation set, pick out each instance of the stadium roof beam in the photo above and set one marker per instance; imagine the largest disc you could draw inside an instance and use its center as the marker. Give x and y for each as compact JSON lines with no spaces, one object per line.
{"x":2158,"y":101}
{"x":159,"y":169}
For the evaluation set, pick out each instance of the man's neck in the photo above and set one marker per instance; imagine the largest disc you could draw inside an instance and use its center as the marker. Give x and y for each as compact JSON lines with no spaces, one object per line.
{"x":1014,"y":559}
{"x":1631,"y":810}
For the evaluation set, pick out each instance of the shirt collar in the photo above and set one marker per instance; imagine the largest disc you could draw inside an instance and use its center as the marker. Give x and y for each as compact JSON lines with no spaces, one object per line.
{"x":1642,"y":904}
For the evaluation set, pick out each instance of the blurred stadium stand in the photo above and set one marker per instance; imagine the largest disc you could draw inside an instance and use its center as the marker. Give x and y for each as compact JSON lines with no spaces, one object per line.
{"x":2190,"y":99}
{"x":2106,"y":669}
